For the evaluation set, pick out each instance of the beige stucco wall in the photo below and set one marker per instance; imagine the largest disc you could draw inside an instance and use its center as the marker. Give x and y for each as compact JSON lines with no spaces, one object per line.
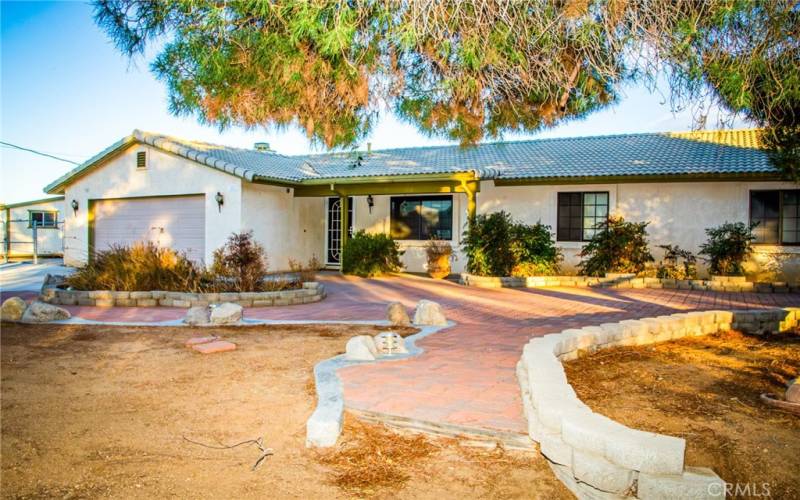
{"x":165,"y":175}
{"x":287,"y":227}
{"x":20,"y":235}
{"x":678,"y":214}
{"x":414,"y":257}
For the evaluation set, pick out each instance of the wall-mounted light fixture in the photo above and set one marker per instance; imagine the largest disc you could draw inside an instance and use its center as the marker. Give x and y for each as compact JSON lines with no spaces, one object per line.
{"x":75,"y":207}
{"x":220,"y":201}
{"x":370,"y":202}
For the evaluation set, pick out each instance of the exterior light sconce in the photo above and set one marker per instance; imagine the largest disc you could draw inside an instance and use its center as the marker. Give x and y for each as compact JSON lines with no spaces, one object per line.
{"x":75,"y":207}
{"x":220,"y":201}
{"x":370,"y":202}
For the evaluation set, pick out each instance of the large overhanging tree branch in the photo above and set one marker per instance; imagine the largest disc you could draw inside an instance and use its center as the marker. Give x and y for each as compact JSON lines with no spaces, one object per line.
{"x":463,"y":69}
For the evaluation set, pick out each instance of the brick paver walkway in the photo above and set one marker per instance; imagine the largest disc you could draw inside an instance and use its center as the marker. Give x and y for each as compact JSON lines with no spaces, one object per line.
{"x":466,"y":375}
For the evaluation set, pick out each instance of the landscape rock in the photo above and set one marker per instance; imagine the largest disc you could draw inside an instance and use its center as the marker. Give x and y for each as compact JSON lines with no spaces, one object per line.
{"x":13,"y":309}
{"x":792,"y":393}
{"x":397,"y":315}
{"x":198,"y":315}
{"x":390,"y":343}
{"x":226,"y":313}
{"x":39,"y":312}
{"x":361,"y":348}
{"x":429,"y":313}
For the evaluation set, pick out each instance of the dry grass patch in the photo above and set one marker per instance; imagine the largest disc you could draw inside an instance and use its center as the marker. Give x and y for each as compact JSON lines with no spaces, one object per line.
{"x":707,"y":391}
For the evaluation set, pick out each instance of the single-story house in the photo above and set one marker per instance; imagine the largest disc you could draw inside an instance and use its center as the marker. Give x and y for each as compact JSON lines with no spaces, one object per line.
{"x":18,"y":221}
{"x":191,"y":195}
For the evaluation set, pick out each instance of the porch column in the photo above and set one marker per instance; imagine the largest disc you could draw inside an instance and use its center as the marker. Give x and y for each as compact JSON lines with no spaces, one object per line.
{"x":344,"y":203}
{"x":470,"y":188}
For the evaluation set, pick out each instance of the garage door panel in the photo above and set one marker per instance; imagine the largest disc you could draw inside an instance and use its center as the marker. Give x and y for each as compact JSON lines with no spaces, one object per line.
{"x":174,"y":222}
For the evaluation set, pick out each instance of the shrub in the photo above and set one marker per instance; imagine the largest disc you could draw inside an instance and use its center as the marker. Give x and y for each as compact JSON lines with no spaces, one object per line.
{"x":437,"y":253}
{"x":495,"y":245}
{"x":727,"y":247}
{"x":306,"y":272}
{"x":535,"y":252}
{"x":240,"y":264}
{"x":141,"y":267}
{"x":677,"y":263}
{"x":369,"y":255}
{"x":618,"y":246}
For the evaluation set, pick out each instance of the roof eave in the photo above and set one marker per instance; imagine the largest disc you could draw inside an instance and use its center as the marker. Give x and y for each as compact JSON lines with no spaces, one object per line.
{"x":622,"y":179}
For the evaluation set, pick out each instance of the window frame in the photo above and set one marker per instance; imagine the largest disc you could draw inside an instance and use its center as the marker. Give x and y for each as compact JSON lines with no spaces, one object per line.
{"x":43,"y":226}
{"x":582,"y":229}
{"x":780,"y":192}
{"x":420,"y":199}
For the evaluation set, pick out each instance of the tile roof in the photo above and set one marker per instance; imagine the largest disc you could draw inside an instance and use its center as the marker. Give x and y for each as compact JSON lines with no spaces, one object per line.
{"x":655,"y":154}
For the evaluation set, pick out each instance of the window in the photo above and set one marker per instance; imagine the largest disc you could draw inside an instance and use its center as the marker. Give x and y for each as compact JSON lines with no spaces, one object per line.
{"x":420,"y":218}
{"x":776,"y":215}
{"x":43,"y":219}
{"x":141,"y":159}
{"x":579,"y":214}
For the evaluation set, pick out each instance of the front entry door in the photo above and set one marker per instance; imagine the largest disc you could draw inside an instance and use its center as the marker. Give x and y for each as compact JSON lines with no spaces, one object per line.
{"x":334,"y":236}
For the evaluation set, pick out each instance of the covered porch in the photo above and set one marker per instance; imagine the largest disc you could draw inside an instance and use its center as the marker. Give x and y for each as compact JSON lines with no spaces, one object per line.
{"x":411,"y":211}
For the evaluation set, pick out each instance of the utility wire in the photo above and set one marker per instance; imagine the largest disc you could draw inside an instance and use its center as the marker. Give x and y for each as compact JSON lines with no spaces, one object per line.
{"x":38,"y":152}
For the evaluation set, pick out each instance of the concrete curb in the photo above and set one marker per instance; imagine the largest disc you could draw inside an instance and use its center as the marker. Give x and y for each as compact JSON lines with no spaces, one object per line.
{"x":325,"y":424}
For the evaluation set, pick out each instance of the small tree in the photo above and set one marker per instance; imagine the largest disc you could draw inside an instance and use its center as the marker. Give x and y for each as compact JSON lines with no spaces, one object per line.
{"x":727,"y":247}
{"x":618,"y":246}
{"x":241,"y":263}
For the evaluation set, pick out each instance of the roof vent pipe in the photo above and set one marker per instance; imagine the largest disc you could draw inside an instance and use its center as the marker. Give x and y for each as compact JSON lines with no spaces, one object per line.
{"x":262,"y":147}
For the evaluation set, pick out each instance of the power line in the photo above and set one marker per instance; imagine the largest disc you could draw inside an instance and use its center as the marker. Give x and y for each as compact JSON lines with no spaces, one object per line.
{"x":38,"y":152}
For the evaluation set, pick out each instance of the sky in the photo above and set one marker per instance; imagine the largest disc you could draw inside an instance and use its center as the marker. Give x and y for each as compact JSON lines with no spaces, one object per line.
{"x":65,"y":90}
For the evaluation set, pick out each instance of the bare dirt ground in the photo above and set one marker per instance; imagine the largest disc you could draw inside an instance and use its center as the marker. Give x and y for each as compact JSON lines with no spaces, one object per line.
{"x":706,"y":390}
{"x":101,"y":412}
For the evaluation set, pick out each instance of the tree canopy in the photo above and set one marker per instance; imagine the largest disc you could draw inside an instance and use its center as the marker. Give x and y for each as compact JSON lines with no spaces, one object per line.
{"x":463,"y":69}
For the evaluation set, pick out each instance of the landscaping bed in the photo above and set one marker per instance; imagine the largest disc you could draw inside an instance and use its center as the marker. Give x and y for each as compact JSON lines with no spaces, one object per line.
{"x":707,"y":391}
{"x":98,"y":411}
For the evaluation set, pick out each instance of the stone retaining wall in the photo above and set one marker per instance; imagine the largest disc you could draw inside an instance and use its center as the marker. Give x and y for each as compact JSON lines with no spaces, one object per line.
{"x":311,"y":292}
{"x":716,"y":283}
{"x":595,"y":456}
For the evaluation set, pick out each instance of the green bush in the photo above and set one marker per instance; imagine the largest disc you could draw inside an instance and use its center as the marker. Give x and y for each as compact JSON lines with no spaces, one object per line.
{"x":369,"y":255}
{"x":677,"y":264}
{"x":141,"y":267}
{"x":495,"y":245}
{"x":617,"y":247}
{"x":535,"y":252}
{"x":727,"y":247}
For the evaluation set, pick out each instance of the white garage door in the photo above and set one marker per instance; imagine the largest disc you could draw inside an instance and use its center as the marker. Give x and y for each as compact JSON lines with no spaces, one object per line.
{"x":176,"y":222}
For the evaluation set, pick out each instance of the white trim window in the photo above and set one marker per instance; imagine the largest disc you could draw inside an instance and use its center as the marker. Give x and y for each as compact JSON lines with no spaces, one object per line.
{"x":44,"y":219}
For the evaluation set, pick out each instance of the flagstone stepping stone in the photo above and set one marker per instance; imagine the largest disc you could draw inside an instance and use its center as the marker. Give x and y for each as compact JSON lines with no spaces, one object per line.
{"x":200,"y":340}
{"x":214,"y":346}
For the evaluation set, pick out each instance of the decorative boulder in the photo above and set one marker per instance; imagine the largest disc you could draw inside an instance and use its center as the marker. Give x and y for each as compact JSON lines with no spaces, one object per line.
{"x":390,"y":343}
{"x":361,"y":348}
{"x":39,"y":312}
{"x":792,"y":393}
{"x":198,"y":315}
{"x":429,"y":313}
{"x":226,"y":313}
{"x":13,"y":309}
{"x":397,"y":314}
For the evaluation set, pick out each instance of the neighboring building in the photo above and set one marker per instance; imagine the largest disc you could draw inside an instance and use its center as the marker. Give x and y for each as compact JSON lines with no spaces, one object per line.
{"x":17,"y":221}
{"x":152,"y":187}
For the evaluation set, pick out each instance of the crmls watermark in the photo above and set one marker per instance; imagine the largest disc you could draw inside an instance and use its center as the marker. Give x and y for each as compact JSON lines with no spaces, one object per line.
{"x":740,"y":490}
